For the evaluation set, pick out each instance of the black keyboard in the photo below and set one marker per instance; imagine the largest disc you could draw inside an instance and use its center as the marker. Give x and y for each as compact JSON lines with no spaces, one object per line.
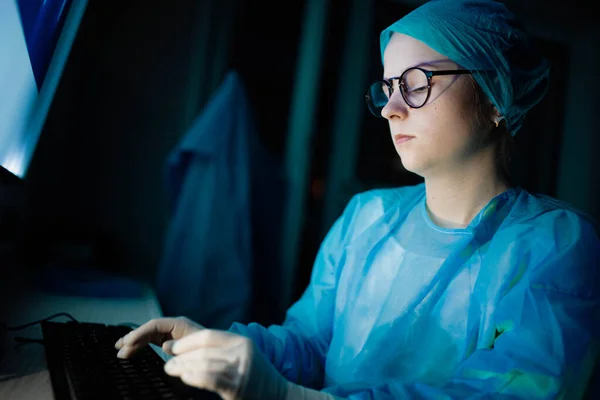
{"x":83,"y":364}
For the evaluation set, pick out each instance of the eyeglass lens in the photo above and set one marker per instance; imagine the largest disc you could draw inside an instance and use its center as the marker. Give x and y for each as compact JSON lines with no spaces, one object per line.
{"x":414,"y":86}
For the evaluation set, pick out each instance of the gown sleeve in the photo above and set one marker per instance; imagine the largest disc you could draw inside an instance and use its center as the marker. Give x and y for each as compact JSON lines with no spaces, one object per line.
{"x":297,"y":348}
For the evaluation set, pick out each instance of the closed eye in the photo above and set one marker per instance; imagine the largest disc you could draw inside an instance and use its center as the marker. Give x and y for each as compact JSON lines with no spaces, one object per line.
{"x":420,"y":89}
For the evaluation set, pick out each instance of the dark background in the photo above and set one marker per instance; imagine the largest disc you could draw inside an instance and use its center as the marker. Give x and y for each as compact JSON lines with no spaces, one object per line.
{"x":140,"y":71}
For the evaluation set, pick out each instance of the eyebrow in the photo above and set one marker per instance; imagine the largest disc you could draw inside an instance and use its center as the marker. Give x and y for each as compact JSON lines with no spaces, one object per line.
{"x":432,"y":64}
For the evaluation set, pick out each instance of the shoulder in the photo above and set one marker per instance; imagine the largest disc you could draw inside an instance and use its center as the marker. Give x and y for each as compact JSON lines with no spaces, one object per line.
{"x":562,"y":243}
{"x":554,"y":220}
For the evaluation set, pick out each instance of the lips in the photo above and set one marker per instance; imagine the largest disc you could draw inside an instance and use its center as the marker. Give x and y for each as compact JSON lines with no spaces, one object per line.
{"x":399,"y":138}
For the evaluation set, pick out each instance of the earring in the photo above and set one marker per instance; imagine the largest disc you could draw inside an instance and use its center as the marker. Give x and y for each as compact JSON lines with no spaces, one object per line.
{"x":498,"y":120}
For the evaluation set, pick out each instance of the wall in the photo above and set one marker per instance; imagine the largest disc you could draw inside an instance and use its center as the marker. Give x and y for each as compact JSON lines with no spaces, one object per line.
{"x":133,"y":83}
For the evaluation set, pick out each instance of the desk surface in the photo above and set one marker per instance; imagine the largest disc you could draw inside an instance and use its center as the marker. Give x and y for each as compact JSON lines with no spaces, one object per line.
{"x":23,"y":370}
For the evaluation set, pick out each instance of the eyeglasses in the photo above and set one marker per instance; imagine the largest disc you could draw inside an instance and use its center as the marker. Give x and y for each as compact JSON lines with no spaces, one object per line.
{"x":414,"y":85}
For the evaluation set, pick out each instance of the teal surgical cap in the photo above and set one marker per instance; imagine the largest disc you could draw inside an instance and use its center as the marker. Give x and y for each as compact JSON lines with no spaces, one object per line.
{"x":484,"y":37}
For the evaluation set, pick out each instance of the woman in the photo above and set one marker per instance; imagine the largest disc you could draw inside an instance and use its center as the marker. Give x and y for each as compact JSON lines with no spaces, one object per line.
{"x":463,"y":286}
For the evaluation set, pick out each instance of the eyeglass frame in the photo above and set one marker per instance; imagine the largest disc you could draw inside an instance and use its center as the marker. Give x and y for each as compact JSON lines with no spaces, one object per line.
{"x":429,"y":74}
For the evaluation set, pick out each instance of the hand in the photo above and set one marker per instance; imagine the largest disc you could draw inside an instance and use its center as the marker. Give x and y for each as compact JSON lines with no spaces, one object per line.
{"x":222,"y":362}
{"x":159,"y":331}
{"x":225,"y":363}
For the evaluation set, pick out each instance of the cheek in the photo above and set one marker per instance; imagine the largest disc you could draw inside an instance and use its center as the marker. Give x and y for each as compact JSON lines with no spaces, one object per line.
{"x":448,"y":130}
{"x":454,"y":115}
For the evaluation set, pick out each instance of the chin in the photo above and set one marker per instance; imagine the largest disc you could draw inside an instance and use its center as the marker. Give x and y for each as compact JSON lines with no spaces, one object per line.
{"x":412,"y":164}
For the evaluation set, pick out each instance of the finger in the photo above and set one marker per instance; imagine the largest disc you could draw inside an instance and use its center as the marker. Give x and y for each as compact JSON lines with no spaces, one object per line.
{"x":213,"y":382}
{"x":154,"y":331}
{"x":119,"y":344}
{"x":206,"y":338}
{"x":208,"y":358}
{"x":167,"y":347}
{"x":210,"y":368}
{"x":208,"y":365}
{"x":127,"y":351}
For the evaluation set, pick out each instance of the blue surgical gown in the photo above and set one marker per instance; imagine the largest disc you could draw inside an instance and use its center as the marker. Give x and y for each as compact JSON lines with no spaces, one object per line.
{"x":399,"y":308}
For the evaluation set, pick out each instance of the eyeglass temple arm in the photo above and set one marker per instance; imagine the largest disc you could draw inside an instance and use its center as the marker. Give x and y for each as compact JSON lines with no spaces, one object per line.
{"x":451,"y":72}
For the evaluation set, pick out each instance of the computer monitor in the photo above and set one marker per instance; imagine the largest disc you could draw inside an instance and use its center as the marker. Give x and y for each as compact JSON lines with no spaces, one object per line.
{"x":36,"y":37}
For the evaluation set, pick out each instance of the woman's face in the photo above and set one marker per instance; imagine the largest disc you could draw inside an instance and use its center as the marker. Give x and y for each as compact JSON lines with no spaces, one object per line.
{"x":445,"y":134}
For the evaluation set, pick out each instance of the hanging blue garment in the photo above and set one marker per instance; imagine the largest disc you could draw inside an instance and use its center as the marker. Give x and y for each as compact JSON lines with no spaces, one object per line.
{"x":399,"y":308}
{"x":206,"y":266}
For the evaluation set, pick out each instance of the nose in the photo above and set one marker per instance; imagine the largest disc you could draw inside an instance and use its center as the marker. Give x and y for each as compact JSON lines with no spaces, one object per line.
{"x":395,"y":107}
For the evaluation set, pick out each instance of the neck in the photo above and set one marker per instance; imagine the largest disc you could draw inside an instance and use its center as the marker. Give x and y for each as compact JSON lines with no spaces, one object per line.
{"x":456,"y":196}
